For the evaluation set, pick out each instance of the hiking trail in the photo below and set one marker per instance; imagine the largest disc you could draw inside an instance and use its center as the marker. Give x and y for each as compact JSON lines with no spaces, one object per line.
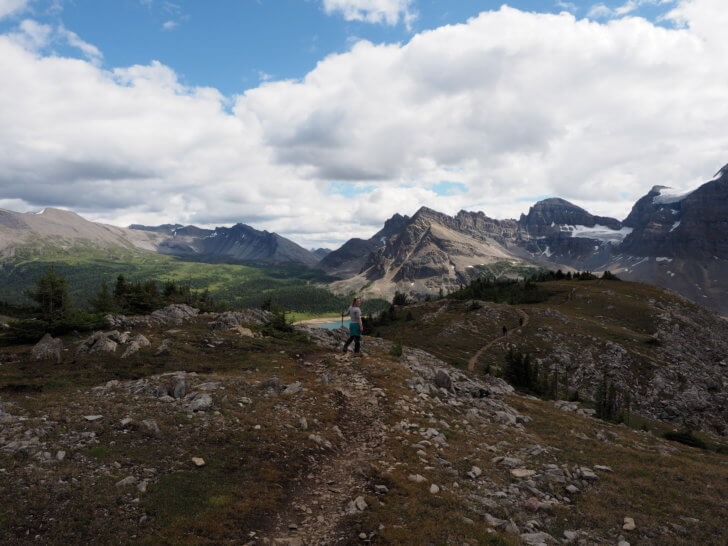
{"x":473,"y":359}
{"x":317,"y":503}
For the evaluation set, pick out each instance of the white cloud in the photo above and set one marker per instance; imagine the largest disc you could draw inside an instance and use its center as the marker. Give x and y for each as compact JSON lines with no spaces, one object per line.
{"x":34,"y":36}
{"x":514,"y":105}
{"x":390,"y":12}
{"x":10,"y":7}
{"x":601,"y":11}
{"x":170,"y":25}
{"x":568,"y":6}
{"x":90,"y":51}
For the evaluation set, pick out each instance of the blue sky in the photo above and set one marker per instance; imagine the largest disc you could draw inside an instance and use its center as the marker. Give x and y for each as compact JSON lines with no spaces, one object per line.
{"x":233,"y":45}
{"x":320,"y":119}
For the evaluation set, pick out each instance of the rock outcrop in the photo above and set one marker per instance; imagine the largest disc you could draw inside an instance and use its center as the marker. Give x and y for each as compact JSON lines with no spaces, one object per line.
{"x":48,"y":348}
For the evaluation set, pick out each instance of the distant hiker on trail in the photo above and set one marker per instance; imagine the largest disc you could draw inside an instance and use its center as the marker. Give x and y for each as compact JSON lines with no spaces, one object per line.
{"x":356,"y":328}
{"x":505,"y":331}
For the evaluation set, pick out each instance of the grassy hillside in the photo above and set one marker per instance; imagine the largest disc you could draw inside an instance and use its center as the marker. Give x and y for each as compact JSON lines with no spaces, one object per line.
{"x":661,"y":353}
{"x":362,"y":455}
{"x":292,"y":287}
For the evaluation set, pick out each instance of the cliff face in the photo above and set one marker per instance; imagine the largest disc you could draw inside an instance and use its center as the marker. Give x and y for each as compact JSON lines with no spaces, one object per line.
{"x":547,"y":217}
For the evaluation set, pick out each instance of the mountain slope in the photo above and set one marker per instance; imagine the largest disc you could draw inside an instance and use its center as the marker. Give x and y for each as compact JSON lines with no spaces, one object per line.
{"x":64,"y":229}
{"x":284,"y":440}
{"x":668,"y":355}
{"x":434,"y":251}
{"x":239,"y":242}
{"x":349,"y":259}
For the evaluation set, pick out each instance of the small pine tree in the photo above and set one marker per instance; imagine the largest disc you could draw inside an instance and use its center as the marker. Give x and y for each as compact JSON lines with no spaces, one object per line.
{"x":51,"y":295}
{"x":103,"y":302}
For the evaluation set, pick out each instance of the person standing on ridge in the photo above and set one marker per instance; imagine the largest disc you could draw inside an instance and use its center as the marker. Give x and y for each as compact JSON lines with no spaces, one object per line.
{"x":356,"y":328}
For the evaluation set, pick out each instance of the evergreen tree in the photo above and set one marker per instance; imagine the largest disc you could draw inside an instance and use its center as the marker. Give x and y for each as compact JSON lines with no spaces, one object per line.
{"x":103,"y":302}
{"x":51,"y":295}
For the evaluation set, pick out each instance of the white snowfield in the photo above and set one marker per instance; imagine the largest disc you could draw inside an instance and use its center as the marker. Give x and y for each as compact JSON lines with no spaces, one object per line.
{"x":599,"y":232}
{"x":668,"y":195}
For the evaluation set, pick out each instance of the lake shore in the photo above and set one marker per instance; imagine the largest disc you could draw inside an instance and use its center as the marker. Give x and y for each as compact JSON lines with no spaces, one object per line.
{"x":317,"y":321}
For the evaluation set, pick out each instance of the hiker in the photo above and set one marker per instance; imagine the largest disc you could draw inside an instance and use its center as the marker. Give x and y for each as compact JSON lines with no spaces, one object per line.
{"x":356,"y":328}
{"x":505,"y":331}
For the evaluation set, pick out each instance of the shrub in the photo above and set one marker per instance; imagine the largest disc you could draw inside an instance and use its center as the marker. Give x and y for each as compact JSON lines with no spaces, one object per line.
{"x":400,"y":298}
{"x":686,"y":437}
{"x":396,"y":349}
{"x":278,"y":322}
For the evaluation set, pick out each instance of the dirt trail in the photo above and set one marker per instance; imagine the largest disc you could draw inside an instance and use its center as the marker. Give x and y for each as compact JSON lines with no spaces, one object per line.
{"x":319,"y":502}
{"x":473,"y":359}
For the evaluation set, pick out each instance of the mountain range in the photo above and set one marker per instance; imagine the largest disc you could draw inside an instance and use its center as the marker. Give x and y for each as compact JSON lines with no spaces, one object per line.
{"x":678,"y":241}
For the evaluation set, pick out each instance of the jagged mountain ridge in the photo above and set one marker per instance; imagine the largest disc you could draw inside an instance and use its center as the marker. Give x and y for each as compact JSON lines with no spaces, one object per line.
{"x":239,"y":242}
{"x":676,"y":241}
{"x":349,"y":259}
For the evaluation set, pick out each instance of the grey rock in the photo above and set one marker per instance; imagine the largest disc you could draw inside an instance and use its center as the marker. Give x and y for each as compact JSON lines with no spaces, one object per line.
{"x":320,"y":441}
{"x":201,"y":402}
{"x":48,"y":348}
{"x":140,"y":340}
{"x":163,"y":348}
{"x":151,"y":426}
{"x":129,"y":480}
{"x":474,"y":472}
{"x":293,"y":388}
{"x":176,"y":314}
{"x":442,"y":380}
{"x":536,"y":539}
{"x":177,"y":387}
{"x":133,"y":348}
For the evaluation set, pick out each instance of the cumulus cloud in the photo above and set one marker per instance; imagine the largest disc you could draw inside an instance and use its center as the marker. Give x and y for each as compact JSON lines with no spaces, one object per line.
{"x":512,"y":105}
{"x":390,"y":12}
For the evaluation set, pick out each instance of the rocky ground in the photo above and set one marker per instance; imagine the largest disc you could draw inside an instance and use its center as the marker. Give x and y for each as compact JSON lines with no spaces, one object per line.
{"x":214,"y":433}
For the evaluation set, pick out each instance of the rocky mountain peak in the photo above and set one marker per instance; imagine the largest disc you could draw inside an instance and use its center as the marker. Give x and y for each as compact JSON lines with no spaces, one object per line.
{"x":545,"y":217}
{"x":722,"y":173}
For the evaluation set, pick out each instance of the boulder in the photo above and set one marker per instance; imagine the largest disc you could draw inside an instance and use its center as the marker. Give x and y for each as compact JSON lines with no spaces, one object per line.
{"x":96,"y":343}
{"x":177,"y":387}
{"x":48,"y":348}
{"x":131,"y":349}
{"x":442,"y":380}
{"x":201,"y":402}
{"x":163,"y":348}
{"x":103,"y":345}
{"x":140,"y":340}
{"x":176,"y":313}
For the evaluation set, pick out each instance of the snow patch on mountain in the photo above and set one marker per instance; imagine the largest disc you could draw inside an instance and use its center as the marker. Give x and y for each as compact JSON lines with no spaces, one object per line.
{"x":599,"y":232}
{"x":666,"y":196}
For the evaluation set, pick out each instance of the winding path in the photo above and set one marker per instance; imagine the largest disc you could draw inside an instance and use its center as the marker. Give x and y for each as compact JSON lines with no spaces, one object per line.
{"x":476,"y":356}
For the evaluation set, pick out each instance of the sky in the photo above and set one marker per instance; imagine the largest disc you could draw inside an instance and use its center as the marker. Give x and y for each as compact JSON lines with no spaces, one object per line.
{"x":320,"y":119}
